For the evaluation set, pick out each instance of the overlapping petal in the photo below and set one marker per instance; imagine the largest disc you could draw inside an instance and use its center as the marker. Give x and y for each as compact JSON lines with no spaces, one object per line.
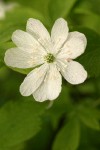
{"x":39,"y":32}
{"x":26,"y":42}
{"x":18,"y":58}
{"x":33,"y":80}
{"x":74,"y":46}
{"x":74,"y":72}
{"x":59,"y":34}
{"x":50,"y":87}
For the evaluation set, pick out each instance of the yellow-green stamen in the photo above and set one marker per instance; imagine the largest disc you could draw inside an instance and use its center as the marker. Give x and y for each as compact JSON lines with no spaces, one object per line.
{"x":49,"y":58}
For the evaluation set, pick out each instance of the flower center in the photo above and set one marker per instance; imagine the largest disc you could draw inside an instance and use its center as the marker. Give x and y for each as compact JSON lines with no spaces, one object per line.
{"x":49,"y":58}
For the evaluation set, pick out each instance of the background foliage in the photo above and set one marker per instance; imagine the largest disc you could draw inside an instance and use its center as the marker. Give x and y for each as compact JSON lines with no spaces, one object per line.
{"x":73,"y":121}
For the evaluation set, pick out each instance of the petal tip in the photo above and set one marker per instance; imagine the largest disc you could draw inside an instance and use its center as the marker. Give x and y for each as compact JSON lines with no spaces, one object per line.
{"x":23,"y":91}
{"x":14,"y":34}
{"x":7,"y":58}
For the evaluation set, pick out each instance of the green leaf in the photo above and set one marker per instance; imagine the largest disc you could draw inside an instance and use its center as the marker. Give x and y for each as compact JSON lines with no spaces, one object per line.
{"x":87,"y":20}
{"x":90,"y":6}
{"x":35,"y":5}
{"x":12,"y":23}
{"x":19,"y":121}
{"x":85,"y":12}
{"x":68,"y":137}
{"x":90,"y":117}
{"x":23,"y":71}
{"x":60,"y":8}
{"x":60,"y":106}
{"x":22,"y":14}
{"x":44,"y":137}
{"x":7,"y":30}
{"x":91,"y":61}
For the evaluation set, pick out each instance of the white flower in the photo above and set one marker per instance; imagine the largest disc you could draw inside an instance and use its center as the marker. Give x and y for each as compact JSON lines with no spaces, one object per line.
{"x":52,"y":54}
{"x":5,"y":7}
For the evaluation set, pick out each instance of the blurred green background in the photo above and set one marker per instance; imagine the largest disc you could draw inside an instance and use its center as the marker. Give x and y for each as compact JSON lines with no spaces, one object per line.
{"x":73,"y":121}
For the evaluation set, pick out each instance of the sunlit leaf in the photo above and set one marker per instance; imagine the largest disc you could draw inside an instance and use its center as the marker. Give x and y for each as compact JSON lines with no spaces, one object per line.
{"x":19,"y":121}
{"x":35,"y":5}
{"x":12,"y":23}
{"x":60,"y":8}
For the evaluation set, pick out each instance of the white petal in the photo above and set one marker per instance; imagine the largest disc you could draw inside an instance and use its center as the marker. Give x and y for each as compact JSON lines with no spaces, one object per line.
{"x":39,"y":32}
{"x":54,"y":81}
{"x":59,"y":34}
{"x":41,"y":93}
{"x":33,"y":80}
{"x":75,"y":45}
{"x":26,"y":42}
{"x":51,"y":87}
{"x":18,"y":58}
{"x":74,"y":73}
